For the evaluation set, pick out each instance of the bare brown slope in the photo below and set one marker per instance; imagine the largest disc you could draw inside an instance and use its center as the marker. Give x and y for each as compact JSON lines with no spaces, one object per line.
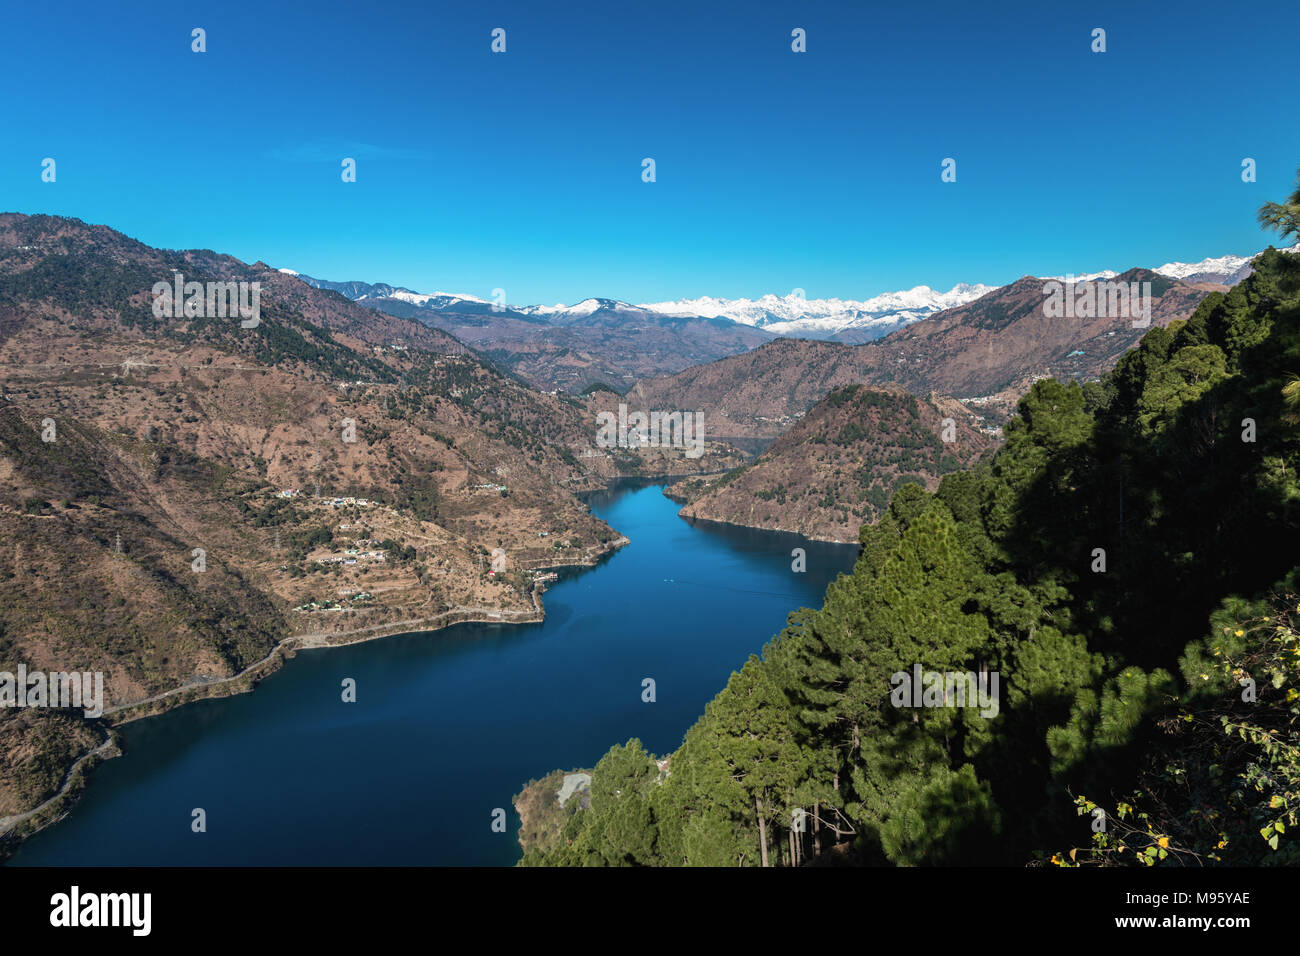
{"x":615,"y":344}
{"x":1006,"y":339}
{"x":837,"y":468}
{"x":128,"y":441}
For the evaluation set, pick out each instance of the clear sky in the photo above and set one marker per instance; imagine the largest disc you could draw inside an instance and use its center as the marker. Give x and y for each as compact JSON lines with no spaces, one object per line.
{"x":775,"y":170}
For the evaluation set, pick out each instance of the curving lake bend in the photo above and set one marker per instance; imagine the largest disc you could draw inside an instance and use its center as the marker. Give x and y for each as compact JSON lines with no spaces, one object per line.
{"x":447,"y":725}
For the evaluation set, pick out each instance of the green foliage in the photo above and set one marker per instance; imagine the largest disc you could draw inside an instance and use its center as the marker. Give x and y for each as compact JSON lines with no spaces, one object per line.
{"x":1226,"y":788}
{"x":948,"y":818}
{"x":619,"y":828}
{"x":1283,"y":216}
{"x":997,"y":572}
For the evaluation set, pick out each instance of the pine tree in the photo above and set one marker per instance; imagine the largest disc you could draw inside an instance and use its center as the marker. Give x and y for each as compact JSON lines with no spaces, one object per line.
{"x":1283,"y":216}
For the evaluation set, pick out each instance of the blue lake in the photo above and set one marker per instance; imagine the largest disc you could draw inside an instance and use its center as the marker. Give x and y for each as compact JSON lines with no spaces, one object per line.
{"x":448,"y":725}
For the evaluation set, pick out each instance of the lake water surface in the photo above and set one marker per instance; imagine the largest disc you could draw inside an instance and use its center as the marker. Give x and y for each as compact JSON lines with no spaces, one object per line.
{"x":447,"y":725}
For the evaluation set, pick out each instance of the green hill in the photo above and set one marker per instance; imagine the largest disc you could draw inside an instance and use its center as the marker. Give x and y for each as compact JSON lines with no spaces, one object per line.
{"x":1125,"y":565}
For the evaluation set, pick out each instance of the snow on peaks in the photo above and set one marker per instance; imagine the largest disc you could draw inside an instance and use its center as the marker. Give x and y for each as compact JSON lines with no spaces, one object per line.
{"x":794,"y":312}
{"x":585,"y":307}
{"x":1225,"y":265}
{"x":1086,"y":277}
{"x":439,"y":298}
{"x":1228,"y":269}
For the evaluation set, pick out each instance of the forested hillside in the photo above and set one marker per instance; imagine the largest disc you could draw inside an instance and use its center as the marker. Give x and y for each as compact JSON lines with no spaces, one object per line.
{"x":1126,"y":565}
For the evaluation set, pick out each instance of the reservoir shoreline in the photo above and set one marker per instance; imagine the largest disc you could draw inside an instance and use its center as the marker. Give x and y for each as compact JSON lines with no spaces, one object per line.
{"x":443,"y":723}
{"x":16,"y":828}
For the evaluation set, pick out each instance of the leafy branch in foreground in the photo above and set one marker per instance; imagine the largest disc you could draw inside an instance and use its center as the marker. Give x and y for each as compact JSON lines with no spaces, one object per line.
{"x":1239,"y":741}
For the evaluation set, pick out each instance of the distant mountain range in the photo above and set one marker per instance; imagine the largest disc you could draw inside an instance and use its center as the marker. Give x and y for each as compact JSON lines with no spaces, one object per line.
{"x":611,"y":342}
{"x":596,"y":341}
{"x":839,"y":319}
{"x":792,"y":315}
{"x":986,"y":352}
{"x":845,"y":320}
{"x":1224,"y":270}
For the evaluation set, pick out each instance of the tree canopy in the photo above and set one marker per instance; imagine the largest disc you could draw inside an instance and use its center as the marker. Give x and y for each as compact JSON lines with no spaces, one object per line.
{"x":1124,"y":566}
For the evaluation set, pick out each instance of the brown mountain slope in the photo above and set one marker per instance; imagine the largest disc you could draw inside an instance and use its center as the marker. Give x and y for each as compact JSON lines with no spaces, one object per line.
{"x":1007,"y":339}
{"x":614,"y":343}
{"x":837,"y":468}
{"x":988,"y":350}
{"x":177,"y":495}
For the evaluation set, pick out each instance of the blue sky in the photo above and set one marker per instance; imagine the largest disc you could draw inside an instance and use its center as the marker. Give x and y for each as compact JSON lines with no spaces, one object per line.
{"x":775,"y":170}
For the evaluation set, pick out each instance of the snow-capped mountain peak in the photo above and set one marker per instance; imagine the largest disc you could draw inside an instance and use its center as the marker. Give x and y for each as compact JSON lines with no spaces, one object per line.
{"x":796,"y":315}
{"x":1086,"y":276}
{"x":1225,"y":265}
{"x":585,"y":307}
{"x":792,"y":314}
{"x":1226,"y":270}
{"x":578,"y":309}
{"x":438,"y":298}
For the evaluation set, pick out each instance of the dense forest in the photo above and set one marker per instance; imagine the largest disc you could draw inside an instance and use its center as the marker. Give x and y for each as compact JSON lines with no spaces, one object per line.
{"x":1125,"y":565}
